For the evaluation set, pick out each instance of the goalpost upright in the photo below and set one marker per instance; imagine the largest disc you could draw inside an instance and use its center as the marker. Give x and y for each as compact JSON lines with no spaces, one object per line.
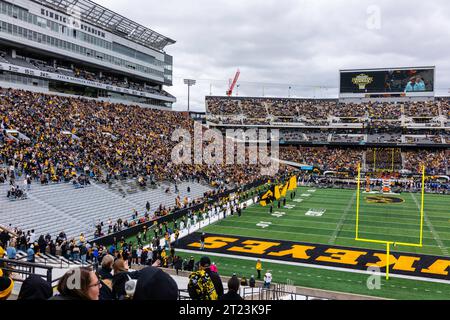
{"x":385,"y":242}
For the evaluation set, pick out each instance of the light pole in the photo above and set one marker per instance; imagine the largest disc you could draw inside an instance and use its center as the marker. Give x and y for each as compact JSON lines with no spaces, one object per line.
{"x":189,"y":82}
{"x":237,"y":90}
{"x":289,"y":95}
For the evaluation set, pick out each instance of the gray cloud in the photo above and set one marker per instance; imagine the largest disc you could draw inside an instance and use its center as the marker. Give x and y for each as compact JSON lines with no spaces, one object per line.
{"x":297,"y":43}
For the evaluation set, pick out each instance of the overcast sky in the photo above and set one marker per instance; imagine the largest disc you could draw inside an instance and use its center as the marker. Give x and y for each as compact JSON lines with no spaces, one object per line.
{"x":297,"y":43}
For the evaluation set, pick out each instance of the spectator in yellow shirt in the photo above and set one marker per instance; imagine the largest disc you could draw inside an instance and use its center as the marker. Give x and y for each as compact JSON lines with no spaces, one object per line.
{"x":258,"y":268}
{"x":2,"y":251}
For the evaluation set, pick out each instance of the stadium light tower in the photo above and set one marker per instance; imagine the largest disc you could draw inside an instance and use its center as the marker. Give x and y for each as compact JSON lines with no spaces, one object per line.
{"x":189,"y":82}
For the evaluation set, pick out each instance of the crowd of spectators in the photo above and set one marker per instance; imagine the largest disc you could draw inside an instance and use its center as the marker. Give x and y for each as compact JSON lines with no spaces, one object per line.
{"x":387,"y":111}
{"x":427,"y":139}
{"x":297,"y":110}
{"x":219,"y":106}
{"x":326,"y":159}
{"x":421,"y":109}
{"x":82,"y":73}
{"x":435,"y":161}
{"x":104,"y":141}
{"x":349,"y":110}
{"x":384,"y":158}
{"x":111,"y":266}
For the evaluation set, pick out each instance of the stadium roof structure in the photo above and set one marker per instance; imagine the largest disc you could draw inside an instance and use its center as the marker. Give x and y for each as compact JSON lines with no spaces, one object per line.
{"x":98,"y":15}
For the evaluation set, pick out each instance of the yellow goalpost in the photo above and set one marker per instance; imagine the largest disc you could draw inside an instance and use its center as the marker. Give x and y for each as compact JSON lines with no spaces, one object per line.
{"x":389,"y":243}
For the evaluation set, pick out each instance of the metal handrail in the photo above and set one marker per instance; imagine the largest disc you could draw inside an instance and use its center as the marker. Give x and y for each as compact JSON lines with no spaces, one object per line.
{"x":25,"y":268}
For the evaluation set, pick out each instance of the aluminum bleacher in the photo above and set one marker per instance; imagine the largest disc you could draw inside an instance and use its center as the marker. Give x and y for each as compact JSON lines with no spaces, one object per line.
{"x":57,"y":207}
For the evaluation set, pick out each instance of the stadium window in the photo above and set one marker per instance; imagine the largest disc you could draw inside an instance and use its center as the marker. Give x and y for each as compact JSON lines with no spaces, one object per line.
{"x":51,"y":15}
{"x":42,"y":11}
{"x":56,"y":17}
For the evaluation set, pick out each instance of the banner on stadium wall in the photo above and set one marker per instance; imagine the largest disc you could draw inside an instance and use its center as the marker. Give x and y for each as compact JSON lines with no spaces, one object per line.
{"x":84,"y":82}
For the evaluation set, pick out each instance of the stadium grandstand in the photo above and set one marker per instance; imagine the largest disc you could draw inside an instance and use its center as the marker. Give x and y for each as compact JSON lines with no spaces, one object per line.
{"x":89,"y":184}
{"x":81,"y":48}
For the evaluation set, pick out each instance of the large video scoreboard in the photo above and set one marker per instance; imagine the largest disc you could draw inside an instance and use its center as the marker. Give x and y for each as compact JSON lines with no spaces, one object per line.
{"x":395,"y":82}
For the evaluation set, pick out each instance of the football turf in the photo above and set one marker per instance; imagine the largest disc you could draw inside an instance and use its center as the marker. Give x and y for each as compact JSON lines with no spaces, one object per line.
{"x":338,"y":281}
{"x":332,"y":220}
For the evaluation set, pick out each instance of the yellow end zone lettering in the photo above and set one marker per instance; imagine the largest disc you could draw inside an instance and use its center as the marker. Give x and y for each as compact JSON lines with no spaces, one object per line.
{"x":438,"y":267}
{"x":254,"y":246}
{"x":297,"y":252}
{"x":214,"y":242}
{"x":403,"y":263}
{"x":342,"y":256}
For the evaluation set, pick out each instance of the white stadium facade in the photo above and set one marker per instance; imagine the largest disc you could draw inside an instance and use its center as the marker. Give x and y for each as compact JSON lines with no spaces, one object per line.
{"x":81,"y":48}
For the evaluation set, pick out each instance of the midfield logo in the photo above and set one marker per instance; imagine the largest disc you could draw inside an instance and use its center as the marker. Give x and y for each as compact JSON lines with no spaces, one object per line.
{"x":384,"y":199}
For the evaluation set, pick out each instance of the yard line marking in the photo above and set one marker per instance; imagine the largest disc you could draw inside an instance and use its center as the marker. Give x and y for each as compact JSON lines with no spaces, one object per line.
{"x":341,"y":221}
{"x":330,"y":217}
{"x":297,"y":233}
{"x":430,"y":226}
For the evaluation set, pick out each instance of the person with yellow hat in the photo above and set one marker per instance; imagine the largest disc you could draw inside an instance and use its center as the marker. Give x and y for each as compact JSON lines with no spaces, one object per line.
{"x":6,"y":287}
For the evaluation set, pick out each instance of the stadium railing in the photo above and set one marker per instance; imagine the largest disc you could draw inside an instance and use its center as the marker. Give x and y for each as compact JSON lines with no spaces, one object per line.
{"x":22,"y":270}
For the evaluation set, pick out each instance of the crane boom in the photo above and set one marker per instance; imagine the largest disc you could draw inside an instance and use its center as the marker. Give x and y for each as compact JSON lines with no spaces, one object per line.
{"x":233,"y":84}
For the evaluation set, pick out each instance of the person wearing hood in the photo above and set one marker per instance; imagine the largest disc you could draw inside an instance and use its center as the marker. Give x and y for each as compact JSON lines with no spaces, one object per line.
{"x":155,"y":284}
{"x":35,"y":288}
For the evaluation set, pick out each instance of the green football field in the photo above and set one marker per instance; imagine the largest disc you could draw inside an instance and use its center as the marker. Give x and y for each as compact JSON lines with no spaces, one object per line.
{"x":328,"y":216}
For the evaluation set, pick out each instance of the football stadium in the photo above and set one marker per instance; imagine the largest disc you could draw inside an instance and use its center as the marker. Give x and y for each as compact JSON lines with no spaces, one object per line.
{"x":259,"y":197}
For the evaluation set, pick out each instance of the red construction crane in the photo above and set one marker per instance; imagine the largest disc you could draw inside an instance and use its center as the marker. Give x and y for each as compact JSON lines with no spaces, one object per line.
{"x":233,"y":84}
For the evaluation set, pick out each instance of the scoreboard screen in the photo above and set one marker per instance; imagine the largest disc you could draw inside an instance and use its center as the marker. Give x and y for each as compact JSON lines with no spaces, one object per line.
{"x":410,"y":80}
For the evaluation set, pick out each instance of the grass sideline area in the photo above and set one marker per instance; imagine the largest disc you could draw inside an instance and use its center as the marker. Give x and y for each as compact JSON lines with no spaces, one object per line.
{"x":332,"y":219}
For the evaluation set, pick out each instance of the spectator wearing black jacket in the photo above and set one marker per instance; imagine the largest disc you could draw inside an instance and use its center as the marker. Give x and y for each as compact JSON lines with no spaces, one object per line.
{"x":105,"y":272}
{"x":252,"y":282}
{"x":177,"y":263}
{"x":233,"y":290}
{"x":105,"y":276}
{"x":35,"y":288}
{"x":205,"y":264}
{"x":121,"y":276}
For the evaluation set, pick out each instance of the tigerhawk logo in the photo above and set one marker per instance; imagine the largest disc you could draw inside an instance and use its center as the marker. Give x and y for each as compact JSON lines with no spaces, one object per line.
{"x":362,"y":81}
{"x":384,"y":199}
